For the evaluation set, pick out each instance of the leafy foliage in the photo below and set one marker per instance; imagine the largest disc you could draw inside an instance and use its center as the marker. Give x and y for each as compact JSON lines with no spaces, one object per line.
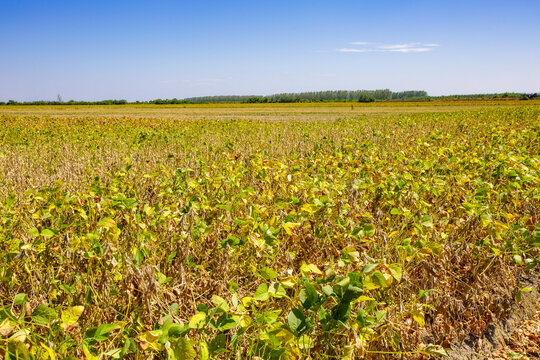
{"x":278,"y":240}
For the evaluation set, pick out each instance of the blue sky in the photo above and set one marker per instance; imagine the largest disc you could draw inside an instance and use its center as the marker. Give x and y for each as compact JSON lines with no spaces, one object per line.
{"x":138,"y":50}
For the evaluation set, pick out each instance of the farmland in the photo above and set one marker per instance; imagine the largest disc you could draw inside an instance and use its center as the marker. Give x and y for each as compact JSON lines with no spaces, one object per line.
{"x":278,"y":231}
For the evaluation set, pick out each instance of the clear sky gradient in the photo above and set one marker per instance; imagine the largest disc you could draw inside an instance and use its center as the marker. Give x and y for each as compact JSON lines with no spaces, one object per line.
{"x":140,"y":50}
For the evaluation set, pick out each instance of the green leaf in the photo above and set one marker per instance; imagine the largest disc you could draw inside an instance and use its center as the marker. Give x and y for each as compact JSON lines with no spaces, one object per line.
{"x":297,"y":320}
{"x":342,"y":311}
{"x":224,"y":207}
{"x":268,"y":317}
{"x":20,"y":299}
{"x":106,"y":222}
{"x":427,"y":221}
{"x":379,"y":279}
{"x":308,"y":295}
{"x":101,"y":332}
{"x":47,"y":233}
{"x":226,"y":322}
{"x":176,"y":330}
{"x":10,"y":200}
{"x":350,"y":254}
{"x":130,"y":203}
{"x":394,"y":211}
{"x":468,"y":206}
{"x":369,"y":268}
{"x":364,"y":319}
{"x":114,"y":353}
{"x":268,"y":274}
{"x":218,"y":344}
{"x":519,"y":294}
{"x":328,"y":290}
{"x":261,"y":293}
{"x":171,"y":257}
{"x":138,"y":257}
{"x":281,"y":292}
{"x":162,"y":278}
{"x":352,"y":293}
{"x":233,"y":287}
{"x":192,"y":183}
{"x":87,"y":353}
{"x":396,"y":271}
{"x":183,"y":350}
{"x":43,"y":315}
{"x":369,"y":230}
{"x":220,"y":303}
{"x":34,"y":232}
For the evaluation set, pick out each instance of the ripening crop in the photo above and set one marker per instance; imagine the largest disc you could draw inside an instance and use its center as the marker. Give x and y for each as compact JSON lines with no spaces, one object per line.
{"x":371,"y":236}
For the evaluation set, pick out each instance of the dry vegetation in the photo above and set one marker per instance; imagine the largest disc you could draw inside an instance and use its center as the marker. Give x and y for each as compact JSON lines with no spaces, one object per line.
{"x":263,"y":231}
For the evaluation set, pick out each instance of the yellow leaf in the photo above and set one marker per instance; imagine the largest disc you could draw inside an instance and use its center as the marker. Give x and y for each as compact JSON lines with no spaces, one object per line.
{"x":71,"y":315}
{"x":308,"y":208}
{"x":418,"y":316}
{"x":205,"y":353}
{"x":106,"y":222}
{"x":197,"y":321}
{"x":284,"y":335}
{"x":192,"y":183}
{"x":292,"y":353}
{"x":288,"y":226}
{"x":364,"y":298}
{"x":288,"y":282}
{"x":19,"y":336}
{"x":256,"y":241}
{"x":183,"y":350}
{"x":247,"y":301}
{"x":311,"y":268}
{"x":245,"y":321}
{"x":149,"y":339}
{"x":88,"y":354}
{"x":49,"y":351}
{"x":6,"y":327}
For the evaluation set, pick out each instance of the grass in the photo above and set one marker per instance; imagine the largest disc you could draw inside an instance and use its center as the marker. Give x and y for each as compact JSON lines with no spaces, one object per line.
{"x":263,"y":231}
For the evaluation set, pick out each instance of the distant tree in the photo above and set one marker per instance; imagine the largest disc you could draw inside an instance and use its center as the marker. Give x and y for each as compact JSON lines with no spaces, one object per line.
{"x":256,"y":100}
{"x":366,"y":98}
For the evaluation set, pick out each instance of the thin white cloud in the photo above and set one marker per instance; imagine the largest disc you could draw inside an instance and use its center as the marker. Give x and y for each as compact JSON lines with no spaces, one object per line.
{"x":355,"y":50}
{"x":398,"y":46}
{"x":407,"y":46}
{"x":415,"y":47}
{"x":406,"y":50}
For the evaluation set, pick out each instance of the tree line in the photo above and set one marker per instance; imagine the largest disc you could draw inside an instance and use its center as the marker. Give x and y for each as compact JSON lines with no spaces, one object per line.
{"x":309,"y":96}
